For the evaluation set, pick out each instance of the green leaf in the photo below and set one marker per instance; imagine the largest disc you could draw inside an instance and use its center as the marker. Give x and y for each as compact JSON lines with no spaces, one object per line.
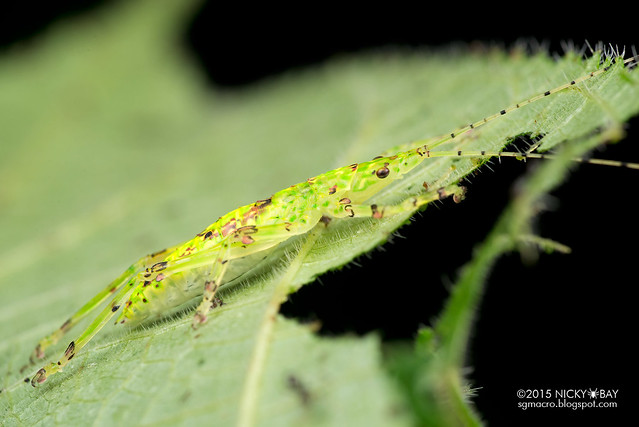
{"x":113,"y":147}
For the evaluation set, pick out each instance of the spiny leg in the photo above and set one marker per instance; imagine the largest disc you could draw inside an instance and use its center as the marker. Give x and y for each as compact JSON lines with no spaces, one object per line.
{"x":95,"y":326}
{"x":346,"y":209}
{"x":134,"y":274}
{"x":127,"y":287}
{"x":245,"y":241}
{"x":53,"y":338}
{"x":211,"y":286}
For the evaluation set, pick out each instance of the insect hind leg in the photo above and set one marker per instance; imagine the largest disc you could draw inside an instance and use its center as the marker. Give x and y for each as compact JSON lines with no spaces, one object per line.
{"x":98,"y":323}
{"x":53,"y":338}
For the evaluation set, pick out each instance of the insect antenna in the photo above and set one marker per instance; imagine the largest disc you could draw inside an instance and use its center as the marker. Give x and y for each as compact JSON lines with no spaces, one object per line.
{"x":527,"y":155}
{"x":435,"y":142}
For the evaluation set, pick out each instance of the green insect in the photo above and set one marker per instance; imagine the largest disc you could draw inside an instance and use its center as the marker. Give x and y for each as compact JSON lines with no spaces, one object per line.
{"x":231,"y":246}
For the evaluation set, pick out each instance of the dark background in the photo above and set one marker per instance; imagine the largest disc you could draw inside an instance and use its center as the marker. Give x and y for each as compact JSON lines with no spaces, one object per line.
{"x":566,"y":322}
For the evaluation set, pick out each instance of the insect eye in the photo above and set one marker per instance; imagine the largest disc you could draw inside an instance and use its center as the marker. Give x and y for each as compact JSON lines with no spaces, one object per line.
{"x":382,"y":172}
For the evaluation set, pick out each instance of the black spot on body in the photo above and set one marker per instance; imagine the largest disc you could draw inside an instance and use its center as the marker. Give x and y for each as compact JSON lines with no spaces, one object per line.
{"x":264,"y":203}
{"x":70,"y":348}
{"x":382,"y":172}
{"x":349,"y":209}
{"x":158,"y":266}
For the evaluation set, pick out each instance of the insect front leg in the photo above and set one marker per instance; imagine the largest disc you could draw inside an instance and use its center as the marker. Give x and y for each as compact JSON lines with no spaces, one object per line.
{"x":346,"y":209}
{"x":91,"y":305}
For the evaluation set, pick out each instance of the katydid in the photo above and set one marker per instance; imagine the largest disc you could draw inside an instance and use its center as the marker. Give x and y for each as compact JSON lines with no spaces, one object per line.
{"x":166,"y":279}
